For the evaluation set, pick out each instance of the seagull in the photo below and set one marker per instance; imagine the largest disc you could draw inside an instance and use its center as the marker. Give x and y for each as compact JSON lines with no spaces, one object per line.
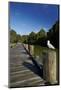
{"x":50,"y":45}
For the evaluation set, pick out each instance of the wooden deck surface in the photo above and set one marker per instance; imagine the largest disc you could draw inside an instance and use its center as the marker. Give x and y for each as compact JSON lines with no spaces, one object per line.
{"x":22,"y":70}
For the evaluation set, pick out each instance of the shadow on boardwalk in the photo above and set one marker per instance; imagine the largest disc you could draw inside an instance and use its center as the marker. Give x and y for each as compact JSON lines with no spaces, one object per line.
{"x":34,"y":68}
{"x":25,"y":70}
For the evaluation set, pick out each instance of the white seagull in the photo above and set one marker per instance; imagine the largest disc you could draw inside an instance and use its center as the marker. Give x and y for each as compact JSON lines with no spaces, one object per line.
{"x":50,"y":45}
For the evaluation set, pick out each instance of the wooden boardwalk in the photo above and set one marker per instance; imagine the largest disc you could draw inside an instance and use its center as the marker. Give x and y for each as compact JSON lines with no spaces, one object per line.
{"x":22,"y":70}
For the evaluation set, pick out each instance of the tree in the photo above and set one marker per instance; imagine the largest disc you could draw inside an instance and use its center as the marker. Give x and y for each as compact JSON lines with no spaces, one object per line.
{"x":41,"y":37}
{"x":24,"y":38}
{"x":31,"y":38}
{"x":41,"y":34}
{"x":53,"y":34}
{"x":13,"y":36}
{"x":18,"y":38}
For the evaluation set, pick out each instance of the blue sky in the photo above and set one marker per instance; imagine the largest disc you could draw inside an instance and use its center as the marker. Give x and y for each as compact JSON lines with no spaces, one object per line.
{"x":27,"y":17}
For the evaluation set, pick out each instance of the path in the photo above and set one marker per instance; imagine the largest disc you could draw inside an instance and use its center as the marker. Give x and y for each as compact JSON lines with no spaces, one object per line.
{"x":23,"y":72}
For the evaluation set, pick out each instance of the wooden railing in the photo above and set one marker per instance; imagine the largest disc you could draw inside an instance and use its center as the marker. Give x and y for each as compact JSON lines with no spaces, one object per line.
{"x":49,"y":64}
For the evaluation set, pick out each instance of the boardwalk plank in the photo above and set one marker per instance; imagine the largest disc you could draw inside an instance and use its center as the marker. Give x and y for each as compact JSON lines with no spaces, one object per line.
{"x":22,"y":70}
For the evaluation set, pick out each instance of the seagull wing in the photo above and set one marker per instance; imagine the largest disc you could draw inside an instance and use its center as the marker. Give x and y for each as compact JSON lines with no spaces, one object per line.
{"x":51,"y":46}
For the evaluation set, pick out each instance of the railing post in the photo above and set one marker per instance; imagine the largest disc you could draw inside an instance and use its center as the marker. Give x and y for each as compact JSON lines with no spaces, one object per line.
{"x":26,"y":46}
{"x":31,"y":49}
{"x":50,"y":67}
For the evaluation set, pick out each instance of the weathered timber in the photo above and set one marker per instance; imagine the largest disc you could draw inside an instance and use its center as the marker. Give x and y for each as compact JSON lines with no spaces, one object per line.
{"x":22,"y":70}
{"x":50,"y":67}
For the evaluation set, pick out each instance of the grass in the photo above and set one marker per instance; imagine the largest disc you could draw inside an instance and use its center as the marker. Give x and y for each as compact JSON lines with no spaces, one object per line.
{"x":12,"y":45}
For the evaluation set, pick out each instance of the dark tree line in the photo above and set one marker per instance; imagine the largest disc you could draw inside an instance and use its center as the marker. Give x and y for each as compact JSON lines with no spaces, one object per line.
{"x":53,"y":34}
{"x":39,"y":38}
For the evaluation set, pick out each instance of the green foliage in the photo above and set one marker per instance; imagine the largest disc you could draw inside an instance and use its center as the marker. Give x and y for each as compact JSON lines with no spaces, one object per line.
{"x":24,"y":38}
{"x":18,"y":38}
{"x":32,"y":38}
{"x":35,"y":38}
{"x":39,"y":38}
{"x":41,"y":34}
{"x":53,"y":34}
{"x":13,"y":36}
